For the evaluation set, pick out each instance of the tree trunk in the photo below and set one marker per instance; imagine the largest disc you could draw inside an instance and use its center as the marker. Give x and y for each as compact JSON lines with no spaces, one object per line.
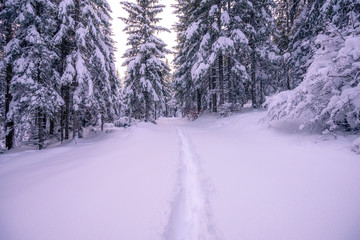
{"x":210,"y":90}
{"x":221,"y":79}
{"x":62,"y":119}
{"x":228,"y":81}
{"x":40,"y":121}
{"x":75,"y":125}
{"x":9,"y":124}
{"x":155,"y":108}
{"x":198,"y":101}
{"x":214,"y":94}
{"x":67,"y":111}
{"x":102,"y":122}
{"x":51,"y":127}
{"x":253,"y":73}
{"x":147,"y":106}
{"x":287,"y":77}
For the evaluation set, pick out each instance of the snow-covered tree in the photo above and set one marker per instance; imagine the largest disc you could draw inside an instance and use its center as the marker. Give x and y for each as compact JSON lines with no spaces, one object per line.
{"x":2,"y":79}
{"x":208,"y":62}
{"x":57,"y":68}
{"x":303,"y":32}
{"x":329,"y":96}
{"x":89,"y":83}
{"x":35,"y":100}
{"x":9,"y":46}
{"x":188,"y":31}
{"x":103,"y":72}
{"x":225,"y":53}
{"x":259,"y":25}
{"x":75,"y":79}
{"x":145,"y":89}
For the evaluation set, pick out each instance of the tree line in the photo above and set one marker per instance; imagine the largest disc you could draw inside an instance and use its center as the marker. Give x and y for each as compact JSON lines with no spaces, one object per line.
{"x":58,"y":75}
{"x":300,"y":52}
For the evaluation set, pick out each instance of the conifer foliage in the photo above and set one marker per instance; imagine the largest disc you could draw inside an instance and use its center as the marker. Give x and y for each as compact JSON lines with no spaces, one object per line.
{"x":57,"y":69}
{"x":225,"y":55}
{"x":328,"y":98}
{"x":145,"y":87}
{"x":57,"y":72}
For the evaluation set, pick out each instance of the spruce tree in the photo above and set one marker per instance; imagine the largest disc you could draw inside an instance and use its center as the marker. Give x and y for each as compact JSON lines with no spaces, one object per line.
{"x":259,"y":27}
{"x":187,"y":93}
{"x":301,"y":47}
{"x":328,"y":98}
{"x":35,"y":99}
{"x":89,"y":83}
{"x":103,"y":72}
{"x":9,"y":48}
{"x":145,"y":89}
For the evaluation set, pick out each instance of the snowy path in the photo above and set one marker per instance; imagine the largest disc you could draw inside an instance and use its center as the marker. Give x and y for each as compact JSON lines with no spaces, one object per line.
{"x":152,"y":182}
{"x":190,"y":218}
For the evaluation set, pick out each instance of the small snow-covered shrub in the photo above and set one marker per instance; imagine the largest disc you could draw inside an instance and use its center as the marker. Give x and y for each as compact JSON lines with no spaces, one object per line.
{"x":225,"y":110}
{"x":356,"y":146}
{"x":124,"y":122}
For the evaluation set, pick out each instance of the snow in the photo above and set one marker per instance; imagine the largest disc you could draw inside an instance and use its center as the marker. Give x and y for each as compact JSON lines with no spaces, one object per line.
{"x":277,"y":184}
{"x":226,"y":178}
{"x":190,"y":218}
{"x":76,"y":192}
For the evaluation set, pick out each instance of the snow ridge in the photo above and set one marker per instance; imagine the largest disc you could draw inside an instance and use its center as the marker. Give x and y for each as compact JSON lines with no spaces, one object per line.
{"x":191,"y":216}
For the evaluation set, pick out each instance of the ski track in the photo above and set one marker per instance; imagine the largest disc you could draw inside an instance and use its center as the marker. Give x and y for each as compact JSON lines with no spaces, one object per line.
{"x":191,"y":217}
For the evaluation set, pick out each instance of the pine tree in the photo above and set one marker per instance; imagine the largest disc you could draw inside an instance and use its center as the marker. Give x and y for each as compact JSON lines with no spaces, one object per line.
{"x":144,"y":82}
{"x":301,"y":49}
{"x":89,"y":83}
{"x":35,"y":99}
{"x":9,"y":52}
{"x":259,"y":28}
{"x":290,"y":15}
{"x":227,"y":49}
{"x":75,"y":80}
{"x":2,"y":80}
{"x":328,"y":98}
{"x":103,"y":72}
{"x":188,"y":32}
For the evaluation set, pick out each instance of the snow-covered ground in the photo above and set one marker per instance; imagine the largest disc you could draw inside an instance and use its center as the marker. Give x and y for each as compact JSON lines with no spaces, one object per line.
{"x":228,"y":179}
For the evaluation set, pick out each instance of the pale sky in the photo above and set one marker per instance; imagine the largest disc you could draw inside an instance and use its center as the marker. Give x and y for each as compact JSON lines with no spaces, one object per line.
{"x":121,"y":38}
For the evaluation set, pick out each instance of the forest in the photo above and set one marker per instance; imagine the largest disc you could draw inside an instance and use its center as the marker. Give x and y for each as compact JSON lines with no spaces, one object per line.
{"x":249,"y":128}
{"x":299,"y":59}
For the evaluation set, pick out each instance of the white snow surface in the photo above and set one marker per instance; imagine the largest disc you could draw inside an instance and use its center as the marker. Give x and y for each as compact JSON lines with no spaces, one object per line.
{"x":228,"y":178}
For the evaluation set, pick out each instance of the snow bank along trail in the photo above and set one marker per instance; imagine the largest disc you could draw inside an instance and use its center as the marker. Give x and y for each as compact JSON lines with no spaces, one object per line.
{"x":190,"y":218}
{"x":111,"y":187}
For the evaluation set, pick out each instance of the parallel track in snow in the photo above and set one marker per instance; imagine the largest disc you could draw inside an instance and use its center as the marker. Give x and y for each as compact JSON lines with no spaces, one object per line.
{"x":191,"y":215}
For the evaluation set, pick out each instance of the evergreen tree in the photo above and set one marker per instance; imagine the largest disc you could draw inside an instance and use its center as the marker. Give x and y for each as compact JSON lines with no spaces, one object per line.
{"x":259,"y":27}
{"x":2,"y":80}
{"x":188,"y":34}
{"x":9,"y":51}
{"x":301,"y":49}
{"x":89,"y":83}
{"x":103,"y":72}
{"x":228,"y":48}
{"x":75,"y":78}
{"x":328,"y":98}
{"x":144,"y":83}
{"x":57,"y":69}
{"x":35,"y":99}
